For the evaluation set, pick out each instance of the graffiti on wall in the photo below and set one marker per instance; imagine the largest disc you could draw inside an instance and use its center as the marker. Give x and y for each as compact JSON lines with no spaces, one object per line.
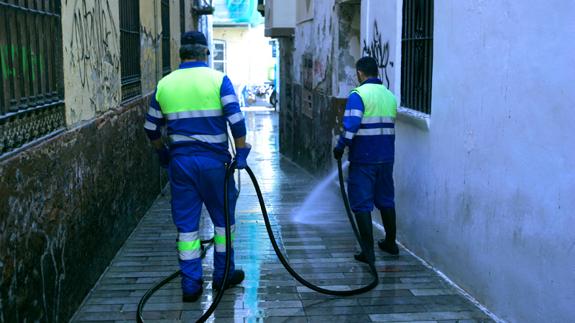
{"x":29,"y":60}
{"x":94,"y":50}
{"x":379,"y":50}
{"x":53,"y":273}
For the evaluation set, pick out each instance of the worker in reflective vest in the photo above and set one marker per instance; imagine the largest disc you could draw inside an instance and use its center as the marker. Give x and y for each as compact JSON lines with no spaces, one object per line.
{"x":369,"y":132}
{"x":196,"y":103}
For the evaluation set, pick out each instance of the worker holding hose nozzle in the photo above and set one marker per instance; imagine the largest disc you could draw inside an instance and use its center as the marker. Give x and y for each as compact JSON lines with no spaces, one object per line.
{"x":196,"y":103}
{"x":369,"y":132}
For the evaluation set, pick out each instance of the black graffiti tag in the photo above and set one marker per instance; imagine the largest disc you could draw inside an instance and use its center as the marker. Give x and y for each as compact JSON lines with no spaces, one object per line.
{"x":379,"y":51}
{"x":94,"y":34}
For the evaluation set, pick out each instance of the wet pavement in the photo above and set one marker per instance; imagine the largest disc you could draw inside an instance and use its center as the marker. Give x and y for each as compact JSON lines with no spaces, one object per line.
{"x":319,"y":244}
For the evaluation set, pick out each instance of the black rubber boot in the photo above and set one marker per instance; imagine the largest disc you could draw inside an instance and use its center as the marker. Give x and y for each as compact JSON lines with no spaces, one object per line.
{"x":365,"y":228}
{"x":234,"y":278}
{"x":388,"y":219}
{"x":190,"y":298}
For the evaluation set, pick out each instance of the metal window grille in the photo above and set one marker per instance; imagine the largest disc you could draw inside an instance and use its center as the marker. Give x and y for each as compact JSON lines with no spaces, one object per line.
{"x":219,"y":58}
{"x":166,"y":66}
{"x":31,"y":83}
{"x":130,"y":48}
{"x":417,"y":55}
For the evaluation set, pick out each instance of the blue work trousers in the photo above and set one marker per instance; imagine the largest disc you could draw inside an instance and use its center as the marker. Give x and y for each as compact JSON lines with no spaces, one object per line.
{"x":370,"y":184}
{"x":197,"y":180}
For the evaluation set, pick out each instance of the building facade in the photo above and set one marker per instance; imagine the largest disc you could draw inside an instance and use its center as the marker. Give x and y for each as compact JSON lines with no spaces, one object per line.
{"x":241,"y":49}
{"x":484,"y":160}
{"x":77,"y":172}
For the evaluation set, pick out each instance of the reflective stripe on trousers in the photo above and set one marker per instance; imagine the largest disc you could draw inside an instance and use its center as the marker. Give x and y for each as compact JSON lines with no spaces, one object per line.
{"x":376,"y":132}
{"x":189,"y":245}
{"x":220,"y":238}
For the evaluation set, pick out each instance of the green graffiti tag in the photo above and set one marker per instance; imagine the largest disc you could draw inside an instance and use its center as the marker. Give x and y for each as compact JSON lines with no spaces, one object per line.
{"x":30,"y":61}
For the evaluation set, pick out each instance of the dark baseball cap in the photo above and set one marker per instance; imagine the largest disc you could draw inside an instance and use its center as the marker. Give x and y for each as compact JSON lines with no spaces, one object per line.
{"x":194,"y":38}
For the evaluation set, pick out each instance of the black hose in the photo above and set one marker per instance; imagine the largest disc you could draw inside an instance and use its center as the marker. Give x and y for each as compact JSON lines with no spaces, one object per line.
{"x":205,"y":245}
{"x":285,"y":262}
{"x":229,"y":172}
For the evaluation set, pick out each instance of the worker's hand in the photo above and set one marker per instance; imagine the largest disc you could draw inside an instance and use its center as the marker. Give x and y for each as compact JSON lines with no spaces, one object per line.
{"x":337,"y":152}
{"x":164,"y":156}
{"x":242,"y":156}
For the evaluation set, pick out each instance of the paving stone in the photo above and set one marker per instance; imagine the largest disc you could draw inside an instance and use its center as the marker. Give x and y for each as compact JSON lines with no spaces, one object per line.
{"x":339,"y":318}
{"x":423,"y":316}
{"x":321,"y":252}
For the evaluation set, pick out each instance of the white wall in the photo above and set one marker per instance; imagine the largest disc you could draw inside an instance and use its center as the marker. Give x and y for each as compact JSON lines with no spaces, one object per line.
{"x":487,"y":192}
{"x":381,"y":38}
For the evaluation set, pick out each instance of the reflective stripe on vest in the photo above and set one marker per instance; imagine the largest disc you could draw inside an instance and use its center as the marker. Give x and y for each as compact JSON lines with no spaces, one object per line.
{"x":189,"y":245}
{"x":210,"y":139}
{"x":220,"y":238}
{"x":380,"y":107}
{"x":372,"y":120}
{"x":190,"y":89}
{"x":194,"y":114}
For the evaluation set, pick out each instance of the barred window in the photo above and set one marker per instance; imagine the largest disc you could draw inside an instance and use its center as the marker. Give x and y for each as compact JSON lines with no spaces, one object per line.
{"x":417,"y":55}
{"x":220,"y":55}
{"x":130,"y":48}
{"x":31,"y":84}
{"x":166,"y":66}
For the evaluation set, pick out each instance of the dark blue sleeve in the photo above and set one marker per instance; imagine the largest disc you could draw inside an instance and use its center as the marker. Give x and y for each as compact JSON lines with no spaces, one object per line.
{"x":232,"y":110}
{"x":154,"y":119}
{"x":351,"y":119}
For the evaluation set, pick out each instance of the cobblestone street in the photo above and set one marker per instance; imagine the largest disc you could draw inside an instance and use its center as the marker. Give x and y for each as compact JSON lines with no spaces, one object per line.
{"x":319,"y":244}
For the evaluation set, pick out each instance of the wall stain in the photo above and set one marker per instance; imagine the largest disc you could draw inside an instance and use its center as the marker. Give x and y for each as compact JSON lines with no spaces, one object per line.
{"x":150,"y":46}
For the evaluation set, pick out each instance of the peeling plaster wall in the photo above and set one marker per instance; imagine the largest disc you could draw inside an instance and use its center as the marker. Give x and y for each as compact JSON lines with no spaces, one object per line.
{"x":151,"y":44}
{"x":190,"y":20}
{"x":348,"y":49}
{"x":91,"y":39}
{"x":311,"y":117}
{"x":315,"y":37}
{"x":486,"y":194}
{"x":66,"y":206}
{"x":175,"y":34}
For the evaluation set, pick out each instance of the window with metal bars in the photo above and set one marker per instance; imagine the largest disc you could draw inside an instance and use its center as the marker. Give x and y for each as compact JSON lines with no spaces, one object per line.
{"x":219,"y":58}
{"x":417,"y":55}
{"x":31,"y":73}
{"x":166,"y":66}
{"x":130,"y":48}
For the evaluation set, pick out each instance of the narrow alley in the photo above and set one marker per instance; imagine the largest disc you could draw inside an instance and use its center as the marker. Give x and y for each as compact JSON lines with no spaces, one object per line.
{"x":453,"y":119}
{"x":317,"y":239}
